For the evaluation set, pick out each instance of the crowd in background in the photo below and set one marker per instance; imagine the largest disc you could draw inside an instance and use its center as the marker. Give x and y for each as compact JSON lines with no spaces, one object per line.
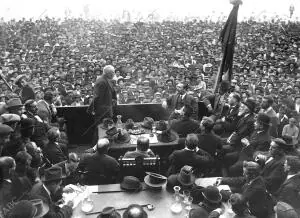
{"x":253,"y":144}
{"x":66,"y":56}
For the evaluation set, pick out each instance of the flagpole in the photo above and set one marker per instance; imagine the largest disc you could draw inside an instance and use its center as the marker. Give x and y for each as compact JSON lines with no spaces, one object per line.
{"x":227,"y":38}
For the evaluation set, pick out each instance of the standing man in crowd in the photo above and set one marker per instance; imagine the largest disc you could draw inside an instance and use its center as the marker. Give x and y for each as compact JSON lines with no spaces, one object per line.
{"x":25,"y":91}
{"x":104,"y":95}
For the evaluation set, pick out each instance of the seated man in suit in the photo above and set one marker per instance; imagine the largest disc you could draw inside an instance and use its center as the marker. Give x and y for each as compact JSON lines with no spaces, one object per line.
{"x":273,"y":165}
{"x":99,"y":163}
{"x":47,"y":189}
{"x":53,"y":151}
{"x":69,"y":168}
{"x":253,"y":190}
{"x":230,"y":120}
{"x":244,"y":128}
{"x":142,"y":149}
{"x":289,"y":191}
{"x":208,"y":141}
{"x":215,"y":103}
{"x":258,"y":141}
{"x":176,"y":102}
{"x":188,"y":156}
{"x":185,"y":124}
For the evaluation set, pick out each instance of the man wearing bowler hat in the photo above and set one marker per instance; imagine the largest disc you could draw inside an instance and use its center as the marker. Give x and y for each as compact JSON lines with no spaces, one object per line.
{"x":48,"y":188}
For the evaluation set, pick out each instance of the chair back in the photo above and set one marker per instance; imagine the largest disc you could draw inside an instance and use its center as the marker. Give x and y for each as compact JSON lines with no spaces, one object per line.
{"x":138,"y":166}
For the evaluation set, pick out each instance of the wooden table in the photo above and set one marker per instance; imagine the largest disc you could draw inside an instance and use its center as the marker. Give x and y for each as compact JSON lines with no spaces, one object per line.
{"x":160,"y":148}
{"x":162,"y":200}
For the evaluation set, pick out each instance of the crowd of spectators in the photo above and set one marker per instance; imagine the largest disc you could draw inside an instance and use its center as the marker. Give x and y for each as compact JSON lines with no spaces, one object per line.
{"x":253,"y":145}
{"x":66,"y":56}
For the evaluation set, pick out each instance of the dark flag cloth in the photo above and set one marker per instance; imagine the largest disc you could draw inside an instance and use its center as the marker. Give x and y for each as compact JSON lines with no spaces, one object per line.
{"x":227,"y":38}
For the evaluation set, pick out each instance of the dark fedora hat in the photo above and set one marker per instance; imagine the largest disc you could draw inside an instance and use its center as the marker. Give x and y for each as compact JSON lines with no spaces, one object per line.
{"x":161,"y":125}
{"x":186,"y":177}
{"x":106,"y":122}
{"x":122,"y":137}
{"x":131,"y":183}
{"x":135,"y":211}
{"x":198,"y":213}
{"x":14,"y":102}
{"x":27,"y":123}
{"x":212,"y":194}
{"x":154,"y":180}
{"x":251,"y":104}
{"x":148,"y":122}
{"x":166,"y":136}
{"x":109,"y":212}
{"x":263,"y":119}
{"x":53,"y":174}
{"x":112,"y":131}
{"x":129,"y":124}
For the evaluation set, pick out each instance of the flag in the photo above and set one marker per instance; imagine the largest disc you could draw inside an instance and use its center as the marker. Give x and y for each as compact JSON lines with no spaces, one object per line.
{"x":227,"y":38}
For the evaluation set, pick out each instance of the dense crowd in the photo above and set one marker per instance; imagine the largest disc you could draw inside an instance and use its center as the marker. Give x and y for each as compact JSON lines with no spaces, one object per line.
{"x":250,"y":138}
{"x":66,"y":56}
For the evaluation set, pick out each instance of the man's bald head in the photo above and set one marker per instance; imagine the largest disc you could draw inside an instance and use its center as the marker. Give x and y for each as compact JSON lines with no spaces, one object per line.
{"x":109,"y":71}
{"x":102,"y":145}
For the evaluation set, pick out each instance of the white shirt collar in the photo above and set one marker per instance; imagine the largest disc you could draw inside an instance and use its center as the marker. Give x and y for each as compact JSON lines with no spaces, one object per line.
{"x":268,"y":109}
{"x":290,"y":176}
{"x":48,"y":192}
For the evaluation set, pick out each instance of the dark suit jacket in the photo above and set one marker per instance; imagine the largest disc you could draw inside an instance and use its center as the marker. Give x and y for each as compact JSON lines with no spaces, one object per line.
{"x":104,"y":94}
{"x":214,"y":101}
{"x":289,"y":192}
{"x":259,"y":141}
{"x":174,"y":102}
{"x":100,"y":164}
{"x":39,"y":191}
{"x":231,"y":119}
{"x":259,"y":201}
{"x":210,"y":143}
{"x":26,"y":93}
{"x":54,"y":153}
{"x":274,"y":121}
{"x":184,"y":126}
{"x":273,"y":174}
{"x":180,"y":158}
{"x":244,"y":128}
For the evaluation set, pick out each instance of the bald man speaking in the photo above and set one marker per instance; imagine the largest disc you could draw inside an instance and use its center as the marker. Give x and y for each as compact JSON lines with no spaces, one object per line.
{"x":104,"y":95}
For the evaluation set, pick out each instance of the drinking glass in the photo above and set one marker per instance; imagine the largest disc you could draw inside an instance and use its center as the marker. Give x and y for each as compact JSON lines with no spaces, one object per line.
{"x":189,"y":203}
{"x":186,"y":194}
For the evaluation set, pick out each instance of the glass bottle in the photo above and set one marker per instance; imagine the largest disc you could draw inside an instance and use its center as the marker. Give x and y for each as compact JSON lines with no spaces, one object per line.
{"x":119,"y":123}
{"x":176,"y":207}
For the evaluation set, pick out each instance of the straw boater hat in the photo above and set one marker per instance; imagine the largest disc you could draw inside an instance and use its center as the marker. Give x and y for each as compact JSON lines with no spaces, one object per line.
{"x":154,"y":180}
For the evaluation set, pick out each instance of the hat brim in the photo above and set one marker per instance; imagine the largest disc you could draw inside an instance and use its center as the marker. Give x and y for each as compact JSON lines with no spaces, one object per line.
{"x":144,"y":215}
{"x":43,"y":179}
{"x":128,"y":138}
{"x":213,"y":201}
{"x":43,"y":212}
{"x":125,"y":187}
{"x":152,"y":185}
{"x":193,"y":178}
{"x":163,"y":138}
